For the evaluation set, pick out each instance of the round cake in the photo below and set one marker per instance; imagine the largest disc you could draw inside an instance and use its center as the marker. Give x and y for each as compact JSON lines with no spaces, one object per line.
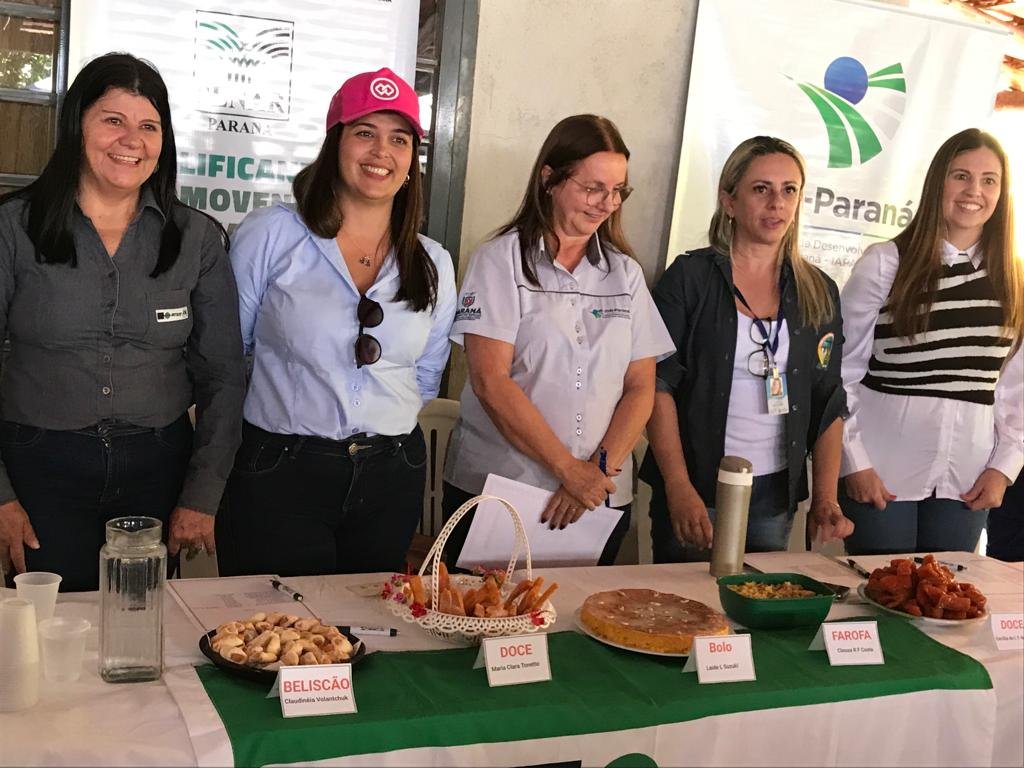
{"x":649,"y":620}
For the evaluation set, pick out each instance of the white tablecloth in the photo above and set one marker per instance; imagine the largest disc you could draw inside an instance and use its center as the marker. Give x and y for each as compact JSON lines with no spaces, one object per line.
{"x":93,"y":723}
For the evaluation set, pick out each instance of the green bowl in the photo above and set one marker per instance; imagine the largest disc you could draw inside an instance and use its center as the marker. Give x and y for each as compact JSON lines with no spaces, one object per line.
{"x":775,"y":613}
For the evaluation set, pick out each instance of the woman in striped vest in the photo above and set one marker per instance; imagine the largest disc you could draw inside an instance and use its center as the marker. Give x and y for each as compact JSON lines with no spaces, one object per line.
{"x":932,"y":363}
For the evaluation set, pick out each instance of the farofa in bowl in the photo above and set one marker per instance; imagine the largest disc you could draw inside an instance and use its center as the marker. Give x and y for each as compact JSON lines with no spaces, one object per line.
{"x":763,"y":611}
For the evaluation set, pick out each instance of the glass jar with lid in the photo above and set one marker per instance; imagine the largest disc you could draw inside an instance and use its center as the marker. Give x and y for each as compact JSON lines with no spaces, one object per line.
{"x":133,"y":568}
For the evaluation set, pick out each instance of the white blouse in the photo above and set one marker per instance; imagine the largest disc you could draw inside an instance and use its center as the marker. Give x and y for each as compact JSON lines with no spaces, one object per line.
{"x":750,"y":431}
{"x":920,"y":445}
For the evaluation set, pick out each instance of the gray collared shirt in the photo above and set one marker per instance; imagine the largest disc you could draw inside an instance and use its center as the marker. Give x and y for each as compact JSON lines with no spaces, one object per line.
{"x":104,"y":341}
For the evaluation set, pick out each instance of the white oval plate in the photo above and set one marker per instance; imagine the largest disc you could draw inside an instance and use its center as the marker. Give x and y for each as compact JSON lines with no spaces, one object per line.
{"x":927,"y":620}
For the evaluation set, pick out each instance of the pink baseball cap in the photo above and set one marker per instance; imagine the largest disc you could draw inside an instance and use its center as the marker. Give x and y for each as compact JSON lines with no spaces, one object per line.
{"x":378,"y":91}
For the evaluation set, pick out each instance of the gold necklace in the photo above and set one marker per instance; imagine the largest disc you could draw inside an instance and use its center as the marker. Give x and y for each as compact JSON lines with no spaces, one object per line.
{"x":366,"y":258}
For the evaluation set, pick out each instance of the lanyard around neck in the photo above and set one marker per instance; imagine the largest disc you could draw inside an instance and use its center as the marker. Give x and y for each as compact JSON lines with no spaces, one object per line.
{"x":770,"y":344}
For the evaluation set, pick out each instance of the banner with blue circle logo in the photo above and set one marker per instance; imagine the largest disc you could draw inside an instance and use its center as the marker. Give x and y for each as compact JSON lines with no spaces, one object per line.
{"x":866,"y":92}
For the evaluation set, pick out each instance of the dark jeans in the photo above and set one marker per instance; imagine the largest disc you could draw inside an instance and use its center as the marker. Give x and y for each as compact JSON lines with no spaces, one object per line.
{"x":72,"y":482}
{"x":456,"y":497}
{"x":768,"y":522}
{"x":1006,"y":525}
{"x":300,"y":506}
{"x":928,"y":525}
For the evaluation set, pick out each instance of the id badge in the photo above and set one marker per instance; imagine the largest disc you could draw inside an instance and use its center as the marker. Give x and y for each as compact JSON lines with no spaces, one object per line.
{"x":777,"y":393}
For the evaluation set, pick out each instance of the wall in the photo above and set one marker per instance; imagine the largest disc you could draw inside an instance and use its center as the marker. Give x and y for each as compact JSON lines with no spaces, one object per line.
{"x":538,"y":61}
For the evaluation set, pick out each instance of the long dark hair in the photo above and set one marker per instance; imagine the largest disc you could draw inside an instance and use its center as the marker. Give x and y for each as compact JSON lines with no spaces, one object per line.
{"x":920,"y":245}
{"x":316,"y":189}
{"x":572,"y":140}
{"x":51,"y":197}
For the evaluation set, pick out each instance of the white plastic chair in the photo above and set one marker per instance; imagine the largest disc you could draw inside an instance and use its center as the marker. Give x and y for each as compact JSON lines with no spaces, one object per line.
{"x":437,"y":419}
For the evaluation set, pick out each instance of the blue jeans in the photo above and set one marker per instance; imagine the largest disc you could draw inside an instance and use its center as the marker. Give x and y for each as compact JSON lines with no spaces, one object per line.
{"x":299,"y":506}
{"x":72,"y":482}
{"x":769,"y":522}
{"x":929,"y":525}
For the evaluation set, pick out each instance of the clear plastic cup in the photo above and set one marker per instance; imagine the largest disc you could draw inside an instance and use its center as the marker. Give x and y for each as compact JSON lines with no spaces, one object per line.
{"x":40,"y":587}
{"x":62,"y":640}
{"x":19,"y":662}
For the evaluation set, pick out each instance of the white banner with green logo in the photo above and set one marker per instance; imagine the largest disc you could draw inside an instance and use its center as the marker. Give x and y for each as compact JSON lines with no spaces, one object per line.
{"x":249,"y":81}
{"x":866,"y":92}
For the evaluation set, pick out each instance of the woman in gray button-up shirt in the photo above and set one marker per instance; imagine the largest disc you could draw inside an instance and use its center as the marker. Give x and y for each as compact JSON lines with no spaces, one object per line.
{"x":121,"y":311}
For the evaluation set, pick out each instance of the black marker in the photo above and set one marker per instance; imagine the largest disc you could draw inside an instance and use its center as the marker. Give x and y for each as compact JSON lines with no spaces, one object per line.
{"x":384,"y":631}
{"x":287,"y":590}
{"x":951,"y":566}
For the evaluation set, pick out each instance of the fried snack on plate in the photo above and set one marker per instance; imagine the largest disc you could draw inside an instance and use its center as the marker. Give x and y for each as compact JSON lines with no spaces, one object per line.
{"x":286,"y":639}
{"x":929,"y":590}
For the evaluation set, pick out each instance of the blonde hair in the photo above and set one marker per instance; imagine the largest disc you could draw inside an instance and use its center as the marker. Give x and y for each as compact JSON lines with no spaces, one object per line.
{"x":816,"y":305}
{"x":920,"y":245}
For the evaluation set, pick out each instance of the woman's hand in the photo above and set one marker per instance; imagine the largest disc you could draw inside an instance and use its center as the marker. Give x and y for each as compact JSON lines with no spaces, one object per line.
{"x":867,"y":488}
{"x":15,"y":533}
{"x":584,"y":480}
{"x":563,"y":509}
{"x":826,"y":519}
{"x":688,"y":514}
{"x":191,"y":530}
{"x":987,"y":491}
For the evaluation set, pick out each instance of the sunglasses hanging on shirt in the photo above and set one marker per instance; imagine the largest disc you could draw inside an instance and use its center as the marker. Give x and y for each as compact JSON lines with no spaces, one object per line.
{"x":370,"y":314}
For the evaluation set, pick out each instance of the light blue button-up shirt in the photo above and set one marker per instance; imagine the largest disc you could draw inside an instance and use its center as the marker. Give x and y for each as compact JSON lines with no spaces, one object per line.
{"x":297,"y":303}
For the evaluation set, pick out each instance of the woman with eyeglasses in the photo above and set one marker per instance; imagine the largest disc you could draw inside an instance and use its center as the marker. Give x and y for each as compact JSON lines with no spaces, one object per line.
{"x":561,"y":338}
{"x":346,"y":311}
{"x":759,"y":339}
{"x":933,"y":367}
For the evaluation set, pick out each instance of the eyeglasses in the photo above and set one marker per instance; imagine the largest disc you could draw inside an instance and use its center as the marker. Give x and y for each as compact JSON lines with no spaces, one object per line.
{"x":370,"y":315}
{"x":597,"y":195}
{"x":758,"y":362}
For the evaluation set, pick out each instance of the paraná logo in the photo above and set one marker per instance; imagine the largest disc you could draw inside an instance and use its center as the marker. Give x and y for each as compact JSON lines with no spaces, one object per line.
{"x":880,"y":98}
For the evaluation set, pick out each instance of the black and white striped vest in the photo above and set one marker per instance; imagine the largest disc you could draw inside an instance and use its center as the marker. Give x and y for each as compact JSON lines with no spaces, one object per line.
{"x":960,"y":355}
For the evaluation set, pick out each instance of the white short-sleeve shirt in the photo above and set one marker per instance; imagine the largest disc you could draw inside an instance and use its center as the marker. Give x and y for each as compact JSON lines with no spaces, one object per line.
{"x":574,"y":336}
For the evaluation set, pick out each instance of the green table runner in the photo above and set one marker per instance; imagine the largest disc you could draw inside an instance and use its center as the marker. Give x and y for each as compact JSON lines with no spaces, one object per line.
{"x":436,"y":699}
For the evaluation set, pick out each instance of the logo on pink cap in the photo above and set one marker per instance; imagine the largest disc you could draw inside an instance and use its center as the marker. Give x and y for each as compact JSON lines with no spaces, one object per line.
{"x":384,"y":88}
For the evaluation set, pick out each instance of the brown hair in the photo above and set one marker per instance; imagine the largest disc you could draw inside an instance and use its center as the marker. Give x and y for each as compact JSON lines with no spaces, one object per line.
{"x":920,"y":245}
{"x":816,"y":305}
{"x":572,"y":140}
{"x":316,"y":197}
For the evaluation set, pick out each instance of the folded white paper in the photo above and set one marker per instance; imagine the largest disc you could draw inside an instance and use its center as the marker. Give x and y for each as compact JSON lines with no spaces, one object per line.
{"x":492,"y":535}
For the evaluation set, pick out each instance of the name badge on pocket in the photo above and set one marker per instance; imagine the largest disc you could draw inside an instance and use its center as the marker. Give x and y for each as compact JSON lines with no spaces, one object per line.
{"x":171,"y":315}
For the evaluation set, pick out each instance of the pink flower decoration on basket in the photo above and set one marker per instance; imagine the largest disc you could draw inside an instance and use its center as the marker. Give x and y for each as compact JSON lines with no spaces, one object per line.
{"x":417,"y":610}
{"x":536,"y":619}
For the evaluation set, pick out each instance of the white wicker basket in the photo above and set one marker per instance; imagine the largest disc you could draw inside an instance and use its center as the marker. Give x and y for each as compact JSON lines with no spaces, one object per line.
{"x":468,"y":630}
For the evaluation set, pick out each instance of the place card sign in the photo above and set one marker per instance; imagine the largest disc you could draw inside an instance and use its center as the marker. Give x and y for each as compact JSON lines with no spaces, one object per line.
{"x":316,"y":689}
{"x":849,"y":643}
{"x":515,"y":659}
{"x":1008,"y":631}
{"x":721,"y":659}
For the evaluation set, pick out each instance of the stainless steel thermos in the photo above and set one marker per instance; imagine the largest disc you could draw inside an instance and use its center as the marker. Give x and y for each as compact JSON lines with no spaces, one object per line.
{"x":732,"y":503}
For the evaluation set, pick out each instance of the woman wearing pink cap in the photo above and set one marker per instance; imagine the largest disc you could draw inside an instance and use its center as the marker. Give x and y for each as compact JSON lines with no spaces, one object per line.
{"x":346,"y":310}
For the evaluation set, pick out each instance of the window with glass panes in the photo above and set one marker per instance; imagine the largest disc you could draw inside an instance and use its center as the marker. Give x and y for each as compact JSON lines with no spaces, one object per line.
{"x":33,"y":66}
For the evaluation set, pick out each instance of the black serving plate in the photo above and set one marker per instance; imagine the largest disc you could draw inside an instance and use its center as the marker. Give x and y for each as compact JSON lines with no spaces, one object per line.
{"x":263,"y":674}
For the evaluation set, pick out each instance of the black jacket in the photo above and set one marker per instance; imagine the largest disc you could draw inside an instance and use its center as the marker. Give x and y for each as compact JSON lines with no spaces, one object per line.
{"x":696,"y":301}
